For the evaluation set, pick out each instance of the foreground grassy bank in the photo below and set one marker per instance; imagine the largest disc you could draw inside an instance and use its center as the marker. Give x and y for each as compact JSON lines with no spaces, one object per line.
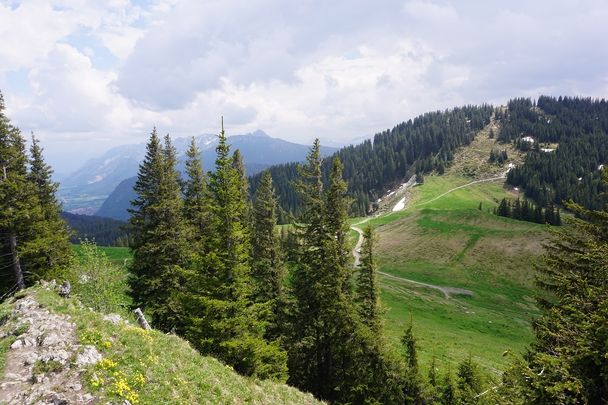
{"x":149,"y":367}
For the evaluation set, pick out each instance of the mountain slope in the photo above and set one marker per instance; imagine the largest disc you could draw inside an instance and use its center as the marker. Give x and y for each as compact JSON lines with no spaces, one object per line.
{"x":102,"y":231}
{"x":89,"y":186}
{"x":116,"y":204}
{"x":463,"y":276}
{"x":106,"y":358}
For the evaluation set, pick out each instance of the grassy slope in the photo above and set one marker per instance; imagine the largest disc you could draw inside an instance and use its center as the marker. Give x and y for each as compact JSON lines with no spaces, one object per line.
{"x":149,"y":367}
{"x":117,"y":255}
{"x":449,"y":242}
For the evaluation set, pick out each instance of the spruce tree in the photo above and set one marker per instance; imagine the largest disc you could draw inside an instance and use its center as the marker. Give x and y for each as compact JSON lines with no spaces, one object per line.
{"x":567,"y":363}
{"x":331,"y":352}
{"x":19,"y":207}
{"x":469,"y":380}
{"x":447,"y":390}
{"x":268,"y":270}
{"x":367,"y":283}
{"x":222,"y":319}
{"x":160,"y":236}
{"x":336,"y":218}
{"x":243,"y":186}
{"x":317,"y":288}
{"x":196,"y":196}
{"x":48,"y":251}
{"x":413,"y":386}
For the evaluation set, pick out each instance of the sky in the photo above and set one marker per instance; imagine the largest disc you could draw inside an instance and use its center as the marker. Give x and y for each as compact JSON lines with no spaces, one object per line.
{"x":85,"y":75}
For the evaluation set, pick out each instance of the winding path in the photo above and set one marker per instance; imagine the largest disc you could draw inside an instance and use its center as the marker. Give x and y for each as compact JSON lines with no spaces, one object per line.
{"x":501,"y":177}
{"x":447,"y":291}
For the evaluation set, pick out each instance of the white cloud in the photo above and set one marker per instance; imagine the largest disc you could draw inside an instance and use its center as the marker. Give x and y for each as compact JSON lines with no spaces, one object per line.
{"x":338,"y":70}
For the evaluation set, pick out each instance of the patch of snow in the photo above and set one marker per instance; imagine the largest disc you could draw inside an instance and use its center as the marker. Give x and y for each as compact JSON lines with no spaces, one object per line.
{"x":547,"y":150}
{"x":390,"y":194}
{"x":600,"y":167}
{"x":95,"y":179}
{"x":400,"y":205}
{"x":528,"y":139}
{"x":580,"y":178}
{"x":516,"y":188}
{"x":379,"y":199}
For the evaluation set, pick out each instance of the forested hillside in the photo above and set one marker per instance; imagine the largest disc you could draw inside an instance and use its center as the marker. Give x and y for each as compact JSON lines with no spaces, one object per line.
{"x":567,"y":139}
{"x":102,"y":231}
{"x":420,"y":145}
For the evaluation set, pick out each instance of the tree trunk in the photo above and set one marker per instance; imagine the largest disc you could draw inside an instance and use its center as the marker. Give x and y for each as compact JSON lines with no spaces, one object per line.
{"x":16,"y":263}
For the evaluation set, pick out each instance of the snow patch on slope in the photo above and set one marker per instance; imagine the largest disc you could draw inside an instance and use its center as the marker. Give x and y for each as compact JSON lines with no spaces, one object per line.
{"x":400,"y":205}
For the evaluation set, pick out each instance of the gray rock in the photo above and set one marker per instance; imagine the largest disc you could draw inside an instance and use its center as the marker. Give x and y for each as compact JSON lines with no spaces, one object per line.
{"x":113,"y":318}
{"x":50,"y":339}
{"x":17,"y":344}
{"x":30,"y":358}
{"x":89,"y":355}
{"x":59,"y":355}
{"x":29,"y":341}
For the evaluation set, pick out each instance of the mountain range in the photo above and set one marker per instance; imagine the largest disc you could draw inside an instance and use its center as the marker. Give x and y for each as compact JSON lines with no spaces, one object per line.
{"x":86,"y":190}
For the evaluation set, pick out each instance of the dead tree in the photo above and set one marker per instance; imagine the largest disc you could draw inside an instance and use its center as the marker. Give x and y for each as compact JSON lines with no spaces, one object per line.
{"x":141,"y":320}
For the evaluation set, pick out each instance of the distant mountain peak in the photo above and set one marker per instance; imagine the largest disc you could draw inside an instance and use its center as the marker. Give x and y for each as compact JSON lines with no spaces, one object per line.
{"x":259,"y":133}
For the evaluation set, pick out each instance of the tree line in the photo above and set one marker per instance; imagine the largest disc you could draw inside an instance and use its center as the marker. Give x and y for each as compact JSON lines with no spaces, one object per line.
{"x":527,"y":211}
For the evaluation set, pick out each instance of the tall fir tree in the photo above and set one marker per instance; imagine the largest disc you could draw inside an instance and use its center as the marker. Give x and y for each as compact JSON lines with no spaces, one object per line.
{"x":268,"y":270}
{"x":160,"y":236}
{"x":49,"y":250}
{"x":222,"y":319}
{"x":331,"y":353}
{"x":367,"y":283}
{"x":238,"y":165}
{"x":33,"y":238}
{"x":567,"y":363}
{"x":18,"y":203}
{"x":413,"y":387}
{"x":196,"y":196}
{"x":337,"y":223}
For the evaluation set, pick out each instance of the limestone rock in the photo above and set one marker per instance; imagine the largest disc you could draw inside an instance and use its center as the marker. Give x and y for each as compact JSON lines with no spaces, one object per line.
{"x":89,"y":355}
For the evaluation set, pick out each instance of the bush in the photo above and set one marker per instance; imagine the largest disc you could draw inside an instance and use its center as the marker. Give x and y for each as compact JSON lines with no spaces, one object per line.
{"x":97,"y":282}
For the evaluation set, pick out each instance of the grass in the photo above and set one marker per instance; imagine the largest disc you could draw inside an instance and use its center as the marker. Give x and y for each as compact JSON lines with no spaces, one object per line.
{"x":117,"y":255}
{"x":42,"y":367}
{"x":150,"y":367}
{"x":450,"y":242}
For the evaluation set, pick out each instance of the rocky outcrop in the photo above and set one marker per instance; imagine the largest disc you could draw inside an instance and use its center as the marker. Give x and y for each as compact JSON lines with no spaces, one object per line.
{"x":44,"y":363}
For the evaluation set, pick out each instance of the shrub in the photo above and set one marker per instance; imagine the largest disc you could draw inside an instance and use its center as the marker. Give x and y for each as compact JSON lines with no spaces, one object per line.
{"x":97,"y":282}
